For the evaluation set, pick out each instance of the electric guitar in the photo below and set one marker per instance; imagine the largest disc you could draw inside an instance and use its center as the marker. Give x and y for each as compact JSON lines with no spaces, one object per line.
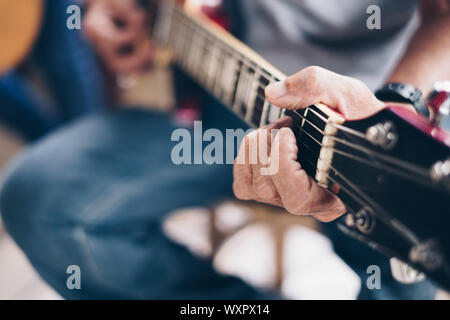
{"x":392,"y":169}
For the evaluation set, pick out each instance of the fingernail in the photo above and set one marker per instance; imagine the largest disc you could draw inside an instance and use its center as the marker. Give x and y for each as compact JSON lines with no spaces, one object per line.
{"x":276,"y":90}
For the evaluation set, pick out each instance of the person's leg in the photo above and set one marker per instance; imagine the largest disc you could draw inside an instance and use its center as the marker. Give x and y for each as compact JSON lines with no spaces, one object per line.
{"x":71,"y":72}
{"x":359,"y":257}
{"x":94,"y":195}
{"x":19,"y":109}
{"x":68,"y":64}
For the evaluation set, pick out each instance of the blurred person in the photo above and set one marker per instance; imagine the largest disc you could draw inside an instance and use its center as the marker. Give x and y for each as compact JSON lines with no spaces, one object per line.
{"x":99,"y":204}
{"x":59,"y":80}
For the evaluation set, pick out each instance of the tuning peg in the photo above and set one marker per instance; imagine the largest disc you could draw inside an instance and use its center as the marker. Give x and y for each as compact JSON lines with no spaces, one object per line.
{"x":439,"y":102}
{"x":404,"y":273}
{"x":440,"y":173}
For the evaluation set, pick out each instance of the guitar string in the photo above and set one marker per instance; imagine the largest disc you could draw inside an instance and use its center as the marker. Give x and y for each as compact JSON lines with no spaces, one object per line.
{"x":354,"y":132}
{"x":367,"y":162}
{"x":375,"y":154}
{"x":343,"y":128}
{"x":184,"y":61}
{"x":389,"y":221}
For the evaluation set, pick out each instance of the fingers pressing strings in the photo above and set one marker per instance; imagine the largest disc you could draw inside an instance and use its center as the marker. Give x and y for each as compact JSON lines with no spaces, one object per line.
{"x":253,"y":164}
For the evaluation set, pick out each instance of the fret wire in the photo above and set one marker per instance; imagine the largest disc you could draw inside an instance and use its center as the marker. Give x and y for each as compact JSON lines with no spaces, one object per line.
{"x":237,"y":74}
{"x":305,"y":115}
{"x":172,"y":32}
{"x":185,"y":35}
{"x":191,"y":52}
{"x":304,"y":131}
{"x":311,"y":123}
{"x":202,"y":43}
{"x":265,"y":114}
{"x":206,"y":65}
{"x":199,"y":43}
{"x":185,"y":43}
{"x":274,"y":113}
{"x":208,"y":46}
{"x":220,"y":66}
{"x":190,"y":58}
{"x":195,"y":52}
{"x":211,"y":56}
{"x":189,"y":22}
{"x":246,"y":95}
{"x":251,"y":98}
{"x":185,"y":59}
{"x":239,"y":89}
{"x":266,"y":105}
{"x":228,"y":79}
{"x":212,"y":69}
{"x":178,"y":40}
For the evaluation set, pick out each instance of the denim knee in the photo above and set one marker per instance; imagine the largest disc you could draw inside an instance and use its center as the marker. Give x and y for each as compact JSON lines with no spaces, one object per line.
{"x":16,"y":194}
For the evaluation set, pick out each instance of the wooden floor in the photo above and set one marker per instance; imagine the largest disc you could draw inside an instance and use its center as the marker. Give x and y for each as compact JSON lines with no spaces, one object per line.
{"x":305,"y":275}
{"x":18,"y":280}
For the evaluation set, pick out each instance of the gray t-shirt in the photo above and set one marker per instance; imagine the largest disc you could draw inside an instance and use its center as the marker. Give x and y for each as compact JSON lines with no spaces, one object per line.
{"x":294,"y":34}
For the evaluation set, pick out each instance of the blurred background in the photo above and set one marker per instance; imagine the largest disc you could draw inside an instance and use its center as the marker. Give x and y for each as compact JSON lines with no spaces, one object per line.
{"x":283,"y":252}
{"x":263,"y":245}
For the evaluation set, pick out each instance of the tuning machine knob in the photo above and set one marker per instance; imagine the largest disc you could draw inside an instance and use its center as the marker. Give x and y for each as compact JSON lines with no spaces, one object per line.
{"x":383,"y":135}
{"x":440,"y":173}
{"x":404,"y":273}
{"x":439,"y":102}
{"x":427,"y":254}
{"x":363,"y":220}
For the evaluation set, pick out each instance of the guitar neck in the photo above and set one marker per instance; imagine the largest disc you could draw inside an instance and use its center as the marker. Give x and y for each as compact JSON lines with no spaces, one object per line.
{"x":223,"y":65}
{"x":237,"y":76}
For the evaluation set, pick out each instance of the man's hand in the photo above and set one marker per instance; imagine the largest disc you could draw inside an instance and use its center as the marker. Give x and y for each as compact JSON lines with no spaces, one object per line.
{"x":119,"y":31}
{"x":290,"y":187}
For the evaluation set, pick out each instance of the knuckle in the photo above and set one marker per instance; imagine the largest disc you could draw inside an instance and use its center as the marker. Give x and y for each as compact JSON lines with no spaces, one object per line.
{"x":292,"y":206}
{"x":291,"y":84}
{"x":298,"y":207}
{"x":252,"y":136}
{"x":240,"y":192}
{"x":313,"y":72}
{"x":265,"y":190}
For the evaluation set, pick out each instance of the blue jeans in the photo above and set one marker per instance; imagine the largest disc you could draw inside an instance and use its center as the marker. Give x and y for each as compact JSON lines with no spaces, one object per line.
{"x":95,"y":194}
{"x":68,"y":67}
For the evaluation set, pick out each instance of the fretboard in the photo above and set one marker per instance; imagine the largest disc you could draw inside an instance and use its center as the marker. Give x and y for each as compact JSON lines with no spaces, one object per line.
{"x":225,"y":67}
{"x":237,"y":76}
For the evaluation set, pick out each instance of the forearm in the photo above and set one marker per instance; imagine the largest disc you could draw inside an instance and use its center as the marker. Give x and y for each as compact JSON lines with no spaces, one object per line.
{"x":427,"y":58}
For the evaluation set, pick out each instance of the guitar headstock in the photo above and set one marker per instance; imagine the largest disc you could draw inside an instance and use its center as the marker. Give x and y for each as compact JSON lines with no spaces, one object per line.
{"x":393,"y":172}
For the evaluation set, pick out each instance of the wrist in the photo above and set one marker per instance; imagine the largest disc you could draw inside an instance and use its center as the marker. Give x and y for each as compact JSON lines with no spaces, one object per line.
{"x":402,"y":94}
